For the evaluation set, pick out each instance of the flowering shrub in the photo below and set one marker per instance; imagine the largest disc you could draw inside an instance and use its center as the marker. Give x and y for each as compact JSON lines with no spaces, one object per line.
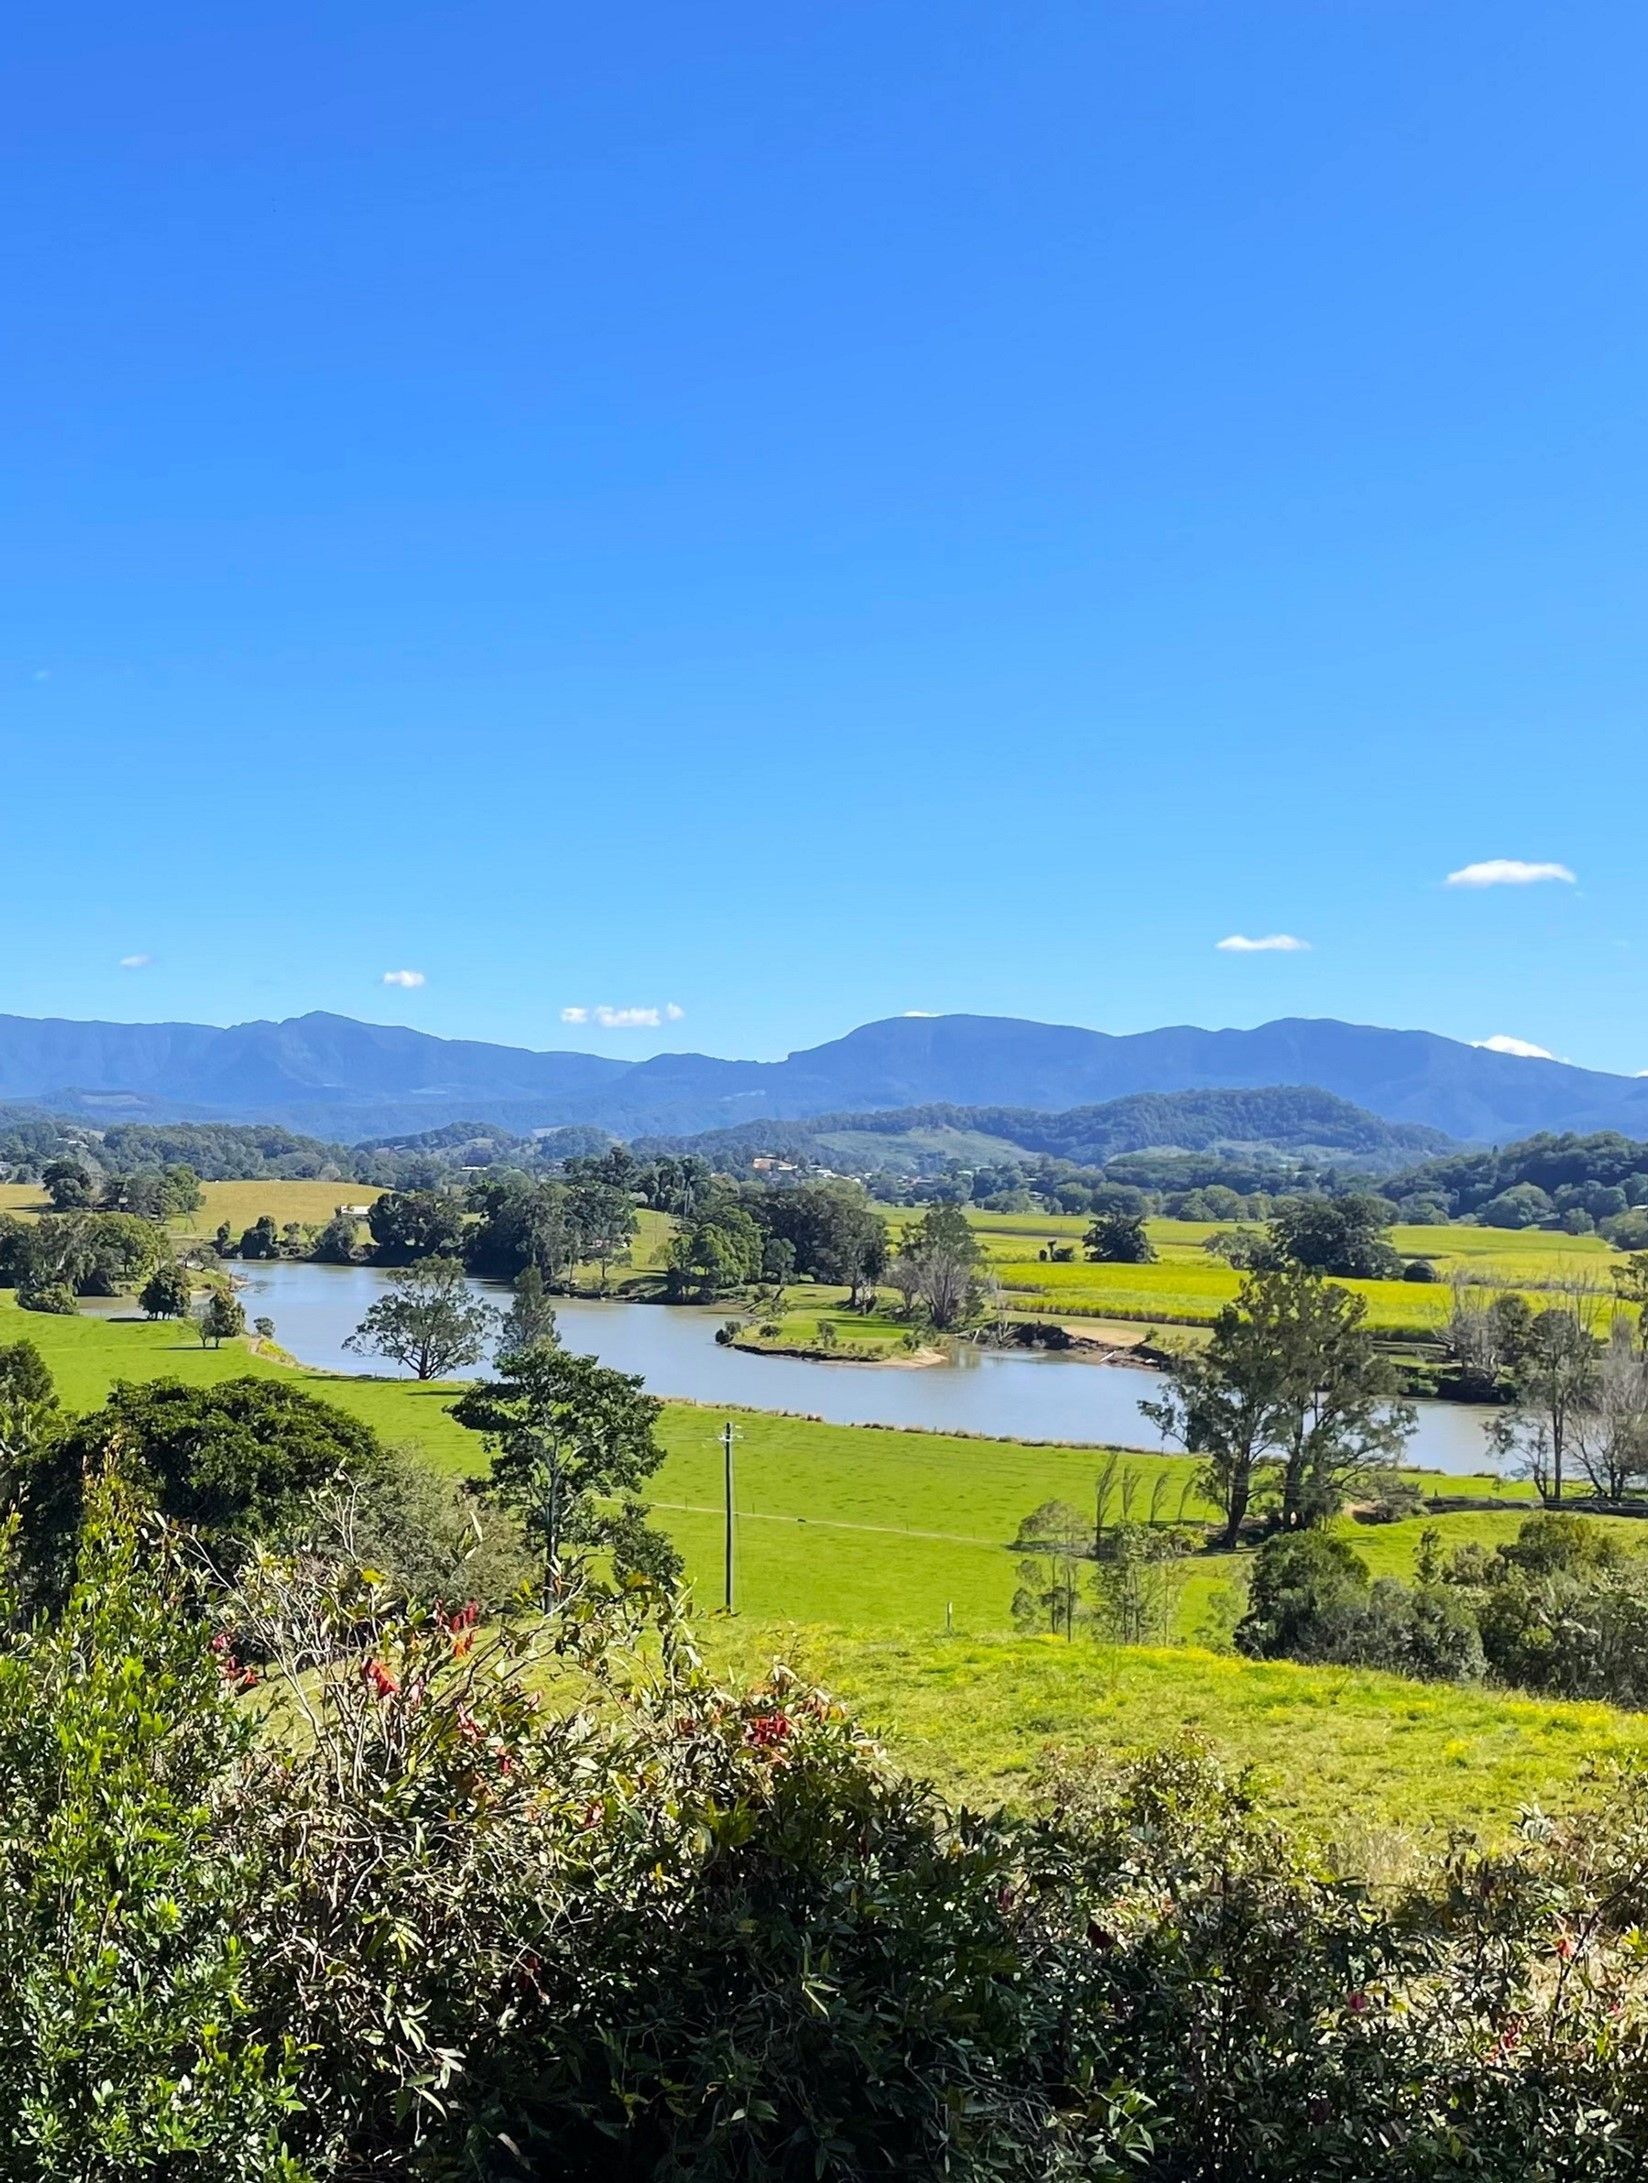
{"x":421,"y":1895}
{"x":127,"y":2044}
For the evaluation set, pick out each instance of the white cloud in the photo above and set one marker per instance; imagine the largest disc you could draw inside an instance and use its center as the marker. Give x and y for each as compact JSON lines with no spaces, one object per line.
{"x":927,"y":1015}
{"x":135,"y":962}
{"x":410,"y":979}
{"x":1501,"y":1043}
{"x":1508,"y":872}
{"x":1272,"y":943}
{"x":625,"y":1019}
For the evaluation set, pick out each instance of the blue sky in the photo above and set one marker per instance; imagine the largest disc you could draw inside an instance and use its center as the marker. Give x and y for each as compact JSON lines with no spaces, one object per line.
{"x":798,"y":514}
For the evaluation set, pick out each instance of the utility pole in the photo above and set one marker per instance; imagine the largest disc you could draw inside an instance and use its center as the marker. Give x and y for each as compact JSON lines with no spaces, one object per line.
{"x":726,"y":1449}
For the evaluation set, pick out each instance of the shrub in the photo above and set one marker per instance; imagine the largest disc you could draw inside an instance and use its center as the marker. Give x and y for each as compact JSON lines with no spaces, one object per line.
{"x":657,"y":1928}
{"x":126,"y":2046}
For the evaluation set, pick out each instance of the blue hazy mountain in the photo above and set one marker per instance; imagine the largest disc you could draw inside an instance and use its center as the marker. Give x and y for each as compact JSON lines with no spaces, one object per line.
{"x":342,"y":1079}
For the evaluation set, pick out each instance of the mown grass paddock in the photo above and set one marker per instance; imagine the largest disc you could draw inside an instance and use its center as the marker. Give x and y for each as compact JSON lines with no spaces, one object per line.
{"x":1352,"y":1754}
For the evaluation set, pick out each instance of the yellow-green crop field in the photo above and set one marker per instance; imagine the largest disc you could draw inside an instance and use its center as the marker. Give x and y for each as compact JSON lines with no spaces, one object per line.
{"x":1188,"y":1287}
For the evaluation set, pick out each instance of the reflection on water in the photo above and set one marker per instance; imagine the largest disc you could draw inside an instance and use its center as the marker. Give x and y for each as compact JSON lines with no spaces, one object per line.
{"x":1010,"y":1395}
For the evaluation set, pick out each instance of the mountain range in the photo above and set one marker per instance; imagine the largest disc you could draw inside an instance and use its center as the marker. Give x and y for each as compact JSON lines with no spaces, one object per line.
{"x":339,"y":1078}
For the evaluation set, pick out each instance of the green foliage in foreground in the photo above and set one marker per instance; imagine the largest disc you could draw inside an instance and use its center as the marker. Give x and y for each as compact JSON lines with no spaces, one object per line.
{"x":666,"y":1927}
{"x":425,"y":1897}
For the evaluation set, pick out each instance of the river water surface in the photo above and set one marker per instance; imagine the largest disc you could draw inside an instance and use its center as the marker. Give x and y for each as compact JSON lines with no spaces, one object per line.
{"x":1005,"y":1394}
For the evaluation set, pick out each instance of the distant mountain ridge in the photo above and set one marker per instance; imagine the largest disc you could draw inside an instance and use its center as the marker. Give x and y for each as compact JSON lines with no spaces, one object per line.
{"x":342,"y":1079}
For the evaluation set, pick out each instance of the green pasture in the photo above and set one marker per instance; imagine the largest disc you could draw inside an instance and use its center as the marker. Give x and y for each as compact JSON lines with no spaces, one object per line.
{"x":847,"y":1524}
{"x":853,"y":1543}
{"x":238,"y":1203}
{"x":1374,"y":1764}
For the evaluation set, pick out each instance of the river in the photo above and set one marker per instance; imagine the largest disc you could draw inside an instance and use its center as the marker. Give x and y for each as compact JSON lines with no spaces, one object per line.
{"x":1003,"y":1394}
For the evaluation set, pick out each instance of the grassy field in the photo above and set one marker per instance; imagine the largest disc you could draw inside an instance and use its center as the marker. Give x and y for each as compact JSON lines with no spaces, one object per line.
{"x":847,"y":1524}
{"x":1356,"y":1756}
{"x":854,"y":1546}
{"x":313,"y":1203}
{"x":239,"y":1203}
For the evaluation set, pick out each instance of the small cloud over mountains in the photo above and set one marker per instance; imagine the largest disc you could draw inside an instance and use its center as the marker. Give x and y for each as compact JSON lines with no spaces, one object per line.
{"x":1270,"y":943}
{"x":408,"y":979}
{"x":625,"y":1019}
{"x":1525,"y":1049}
{"x":1509,"y":872}
{"x":135,"y":962}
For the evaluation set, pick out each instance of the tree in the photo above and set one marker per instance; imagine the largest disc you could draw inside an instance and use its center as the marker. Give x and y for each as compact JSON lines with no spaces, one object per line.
{"x":335,"y":1242}
{"x":1525,"y":1205}
{"x":1610,"y":1428}
{"x":717,"y":1254}
{"x":1343,"y":1236}
{"x":1119,"y":1239}
{"x":522,"y":1223}
{"x":183,"y":1191}
{"x":93,"y":1254}
{"x":1055,"y":1541}
{"x":1301,"y":1589}
{"x":428,"y":1321}
{"x":222,"y":1318}
{"x":602,"y":1215}
{"x":834,"y":1234}
{"x":1342,"y":1420}
{"x":1556,"y":1379}
{"x":70,"y":1185}
{"x":936,"y":1266}
{"x":530,"y":1319}
{"x":234,"y":1461}
{"x":1227,"y":1403}
{"x":262,"y":1239}
{"x":165,"y":1295}
{"x":567,"y":1437}
{"x":30,"y":1413}
{"x":1291,"y":1387}
{"x":408,"y":1225}
{"x":1136,"y":1580}
{"x":1484,"y":1340}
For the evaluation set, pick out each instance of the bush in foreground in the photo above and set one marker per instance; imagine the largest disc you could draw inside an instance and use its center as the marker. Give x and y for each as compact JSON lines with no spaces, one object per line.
{"x":421,"y":1898}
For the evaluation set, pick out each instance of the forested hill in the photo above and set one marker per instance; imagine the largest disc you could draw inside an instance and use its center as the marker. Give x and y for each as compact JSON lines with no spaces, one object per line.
{"x":1543,"y":1181}
{"x":1297,"y":1120}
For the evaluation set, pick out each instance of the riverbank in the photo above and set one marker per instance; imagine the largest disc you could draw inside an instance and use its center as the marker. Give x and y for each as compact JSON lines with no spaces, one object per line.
{"x":1006,"y":1394}
{"x":858,"y":1548}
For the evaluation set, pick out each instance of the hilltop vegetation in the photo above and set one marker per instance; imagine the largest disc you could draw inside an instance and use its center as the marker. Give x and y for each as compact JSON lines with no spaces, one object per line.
{"x":1574,"y":1183}
{"x":1313,"y":1126}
